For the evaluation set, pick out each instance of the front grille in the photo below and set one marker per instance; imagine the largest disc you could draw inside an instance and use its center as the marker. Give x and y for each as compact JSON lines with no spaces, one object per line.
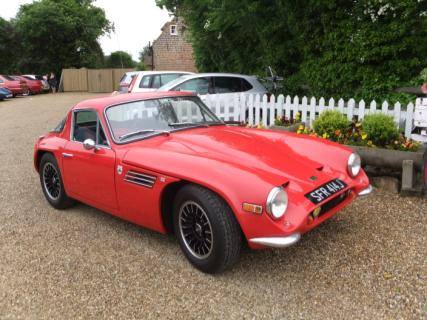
{"x":334,"y":202}
{"x":139,"y":178}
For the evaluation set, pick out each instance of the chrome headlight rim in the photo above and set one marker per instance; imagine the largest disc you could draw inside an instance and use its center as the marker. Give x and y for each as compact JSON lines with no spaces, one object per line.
{"x":354,"y":164}
{"x":272,"y":196}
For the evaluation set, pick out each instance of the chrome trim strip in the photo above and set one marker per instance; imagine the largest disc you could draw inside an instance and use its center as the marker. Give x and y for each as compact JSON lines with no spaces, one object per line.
{"x":366,"y":191}
{"x":140,"y":179}
{"x":277,"y":242}
{"x":140,"y":175}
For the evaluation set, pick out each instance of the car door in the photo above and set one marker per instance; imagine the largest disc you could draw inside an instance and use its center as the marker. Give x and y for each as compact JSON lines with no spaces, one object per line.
{"x":89,"y":173}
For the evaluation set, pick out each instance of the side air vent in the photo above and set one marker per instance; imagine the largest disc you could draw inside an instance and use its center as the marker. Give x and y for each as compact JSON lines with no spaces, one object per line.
{"x":141,"y":179}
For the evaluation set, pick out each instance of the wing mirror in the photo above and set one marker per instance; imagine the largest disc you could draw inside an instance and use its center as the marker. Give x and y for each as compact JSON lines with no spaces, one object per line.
{"x":89,"y":144}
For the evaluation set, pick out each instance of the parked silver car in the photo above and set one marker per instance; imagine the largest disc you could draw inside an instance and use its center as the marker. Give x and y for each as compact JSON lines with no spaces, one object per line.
{"x":224,"y":84}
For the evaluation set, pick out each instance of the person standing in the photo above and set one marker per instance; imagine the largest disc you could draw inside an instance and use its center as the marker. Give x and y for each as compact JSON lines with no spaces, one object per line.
{"x":53,"y":82}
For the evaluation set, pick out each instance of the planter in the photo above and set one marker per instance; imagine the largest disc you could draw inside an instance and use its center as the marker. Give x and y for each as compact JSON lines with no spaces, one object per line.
{"x":393,"y":159}
{"x":291,"y":128}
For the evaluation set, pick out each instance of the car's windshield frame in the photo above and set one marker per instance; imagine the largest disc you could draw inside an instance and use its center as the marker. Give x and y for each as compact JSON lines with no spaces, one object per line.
{"x":162,"y":132}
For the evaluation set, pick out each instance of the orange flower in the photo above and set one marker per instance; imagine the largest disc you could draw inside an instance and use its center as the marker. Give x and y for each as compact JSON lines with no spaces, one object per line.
{"x":337,"y":132}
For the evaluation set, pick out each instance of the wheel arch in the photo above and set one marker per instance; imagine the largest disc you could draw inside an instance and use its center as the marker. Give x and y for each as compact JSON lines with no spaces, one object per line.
{"x":167,"y":198}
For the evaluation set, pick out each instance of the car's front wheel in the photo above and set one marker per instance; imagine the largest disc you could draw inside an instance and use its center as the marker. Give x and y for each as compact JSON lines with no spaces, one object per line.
{"x":206,"y":228}
{"x":52,"y":184}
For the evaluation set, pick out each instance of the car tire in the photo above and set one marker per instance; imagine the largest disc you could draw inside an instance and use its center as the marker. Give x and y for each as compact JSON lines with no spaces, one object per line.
{"x":52,"y":184}
{"x":206,"y":228}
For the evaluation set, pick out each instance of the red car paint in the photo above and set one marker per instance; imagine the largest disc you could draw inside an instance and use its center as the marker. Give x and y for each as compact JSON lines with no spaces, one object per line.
{"x":239,"y":164}
{"x":17,"y":87}
{"x":34,"y":86}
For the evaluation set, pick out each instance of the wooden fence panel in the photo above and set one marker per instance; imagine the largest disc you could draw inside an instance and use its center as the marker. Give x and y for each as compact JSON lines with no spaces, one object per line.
{"x":100,"y":80}
{"x":74,"y":80}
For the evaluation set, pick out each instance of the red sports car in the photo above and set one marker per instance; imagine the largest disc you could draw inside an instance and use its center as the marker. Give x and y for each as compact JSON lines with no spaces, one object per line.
{"x":18,"y":87}
{"x":34,"y":85}
{"x":164,"y":161}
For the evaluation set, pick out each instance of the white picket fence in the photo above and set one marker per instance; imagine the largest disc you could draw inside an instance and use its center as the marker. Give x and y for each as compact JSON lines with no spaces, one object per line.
{"x":255,"y":109}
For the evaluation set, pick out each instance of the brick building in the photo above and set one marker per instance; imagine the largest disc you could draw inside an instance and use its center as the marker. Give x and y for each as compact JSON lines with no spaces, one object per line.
{"x":171,"y":49}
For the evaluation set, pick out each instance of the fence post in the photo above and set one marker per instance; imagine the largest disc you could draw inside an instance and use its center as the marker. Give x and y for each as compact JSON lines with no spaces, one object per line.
{"x":264,"y":110}
{"x":288,"y":107}
{"x":321,"y":105}
{"x":257,"y":107}
{"x":350,"y":109}
{"x":361,"y":110}
{"x":397,"y":111}
{"x":304,"y":109}
{"x":312,"y":110}
{"x":295,"y":106}
{"x":373,"y":107}
{"x":251,"y":110}
{"x":341,"y":106}
{"x":279,"y":105}
{"x":409,"y":117}
{"x":384,"y":107}
{"x":272,"y":108}
{"x":331,"y":104}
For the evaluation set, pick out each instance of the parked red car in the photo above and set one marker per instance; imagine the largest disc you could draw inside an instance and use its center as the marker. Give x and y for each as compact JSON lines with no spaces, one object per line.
{"x":18,"y":87}
{"x":34,"y":86}
{"x":164,"y":161}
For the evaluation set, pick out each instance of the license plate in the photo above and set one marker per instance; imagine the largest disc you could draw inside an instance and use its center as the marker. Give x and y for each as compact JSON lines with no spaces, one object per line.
{"x":9,"y":96}
{"x":326,"y":191}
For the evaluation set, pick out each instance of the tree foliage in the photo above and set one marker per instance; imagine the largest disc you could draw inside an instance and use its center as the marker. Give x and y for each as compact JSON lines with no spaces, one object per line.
{"x":119,"y":59}
{"x":9,"y":47}
{"x":57,"y":34}
{"x":340,"y":48}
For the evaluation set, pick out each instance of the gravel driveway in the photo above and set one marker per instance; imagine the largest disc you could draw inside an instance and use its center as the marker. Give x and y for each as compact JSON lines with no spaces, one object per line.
{"x":369,"y":262}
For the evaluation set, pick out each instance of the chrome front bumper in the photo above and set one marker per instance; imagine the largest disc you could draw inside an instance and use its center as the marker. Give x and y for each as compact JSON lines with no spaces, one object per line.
{"x":277,"y":242}
{"x":366,"y":191}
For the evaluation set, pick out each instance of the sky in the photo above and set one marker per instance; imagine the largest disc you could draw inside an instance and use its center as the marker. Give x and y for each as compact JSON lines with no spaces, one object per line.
{"x":136,"y":22}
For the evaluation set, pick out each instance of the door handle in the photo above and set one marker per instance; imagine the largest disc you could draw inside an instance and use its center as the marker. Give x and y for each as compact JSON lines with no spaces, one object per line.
{"x":67,"y":155}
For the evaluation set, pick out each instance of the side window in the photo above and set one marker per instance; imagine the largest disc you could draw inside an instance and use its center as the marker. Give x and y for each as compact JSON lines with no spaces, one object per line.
{"x":86,"y":125}
{"x":227,"y":84}
{"x":166,"y":78}
{"x":145,"y":82}
{"x":156,"y":82}
{"x":198,"y":85}
{"x":246,"y":85}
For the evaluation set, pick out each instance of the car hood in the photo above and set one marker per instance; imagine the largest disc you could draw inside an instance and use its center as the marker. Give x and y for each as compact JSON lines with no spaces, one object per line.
{"x":271,"y":156}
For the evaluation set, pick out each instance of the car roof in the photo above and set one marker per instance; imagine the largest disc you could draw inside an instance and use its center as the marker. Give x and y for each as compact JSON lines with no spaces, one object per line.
{"x":102,"y":102}
{"x":157,"y":72}
{"x":181,"y":79}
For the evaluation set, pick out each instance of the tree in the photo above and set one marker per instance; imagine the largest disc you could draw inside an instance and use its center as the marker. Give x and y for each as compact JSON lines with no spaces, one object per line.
{"x":341,"y":48}
{"x":9,"y":47}
{"x":119,"y":59}
{"x":58,"y":34}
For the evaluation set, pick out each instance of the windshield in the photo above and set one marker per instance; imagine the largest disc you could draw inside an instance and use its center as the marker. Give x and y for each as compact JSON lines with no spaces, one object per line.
{"x":140,"y":119}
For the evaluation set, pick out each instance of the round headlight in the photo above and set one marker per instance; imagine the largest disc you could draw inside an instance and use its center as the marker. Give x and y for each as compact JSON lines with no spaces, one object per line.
{"x":277,"y":202}
{"x":353,"y":164}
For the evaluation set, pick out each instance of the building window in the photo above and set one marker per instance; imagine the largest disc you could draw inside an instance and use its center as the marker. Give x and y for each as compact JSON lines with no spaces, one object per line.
{"x":174,"y":29}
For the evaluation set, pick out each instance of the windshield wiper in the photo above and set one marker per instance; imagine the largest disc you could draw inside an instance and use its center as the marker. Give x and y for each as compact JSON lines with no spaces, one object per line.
{"x":131,"y":134}
{"x":186,"y":124}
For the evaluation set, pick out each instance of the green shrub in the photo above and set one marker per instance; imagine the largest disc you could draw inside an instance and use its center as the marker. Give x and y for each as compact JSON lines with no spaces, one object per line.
{"x":331,"y":124}
{"x":380,"y":128}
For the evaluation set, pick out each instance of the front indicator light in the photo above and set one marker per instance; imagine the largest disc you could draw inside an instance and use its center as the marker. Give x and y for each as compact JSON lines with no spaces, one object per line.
{"x":252,"y":208}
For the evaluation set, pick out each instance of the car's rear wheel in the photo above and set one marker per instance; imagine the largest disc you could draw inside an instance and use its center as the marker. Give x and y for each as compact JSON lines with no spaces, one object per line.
{"x":52,"y":184}
{"x":206,"y":228}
